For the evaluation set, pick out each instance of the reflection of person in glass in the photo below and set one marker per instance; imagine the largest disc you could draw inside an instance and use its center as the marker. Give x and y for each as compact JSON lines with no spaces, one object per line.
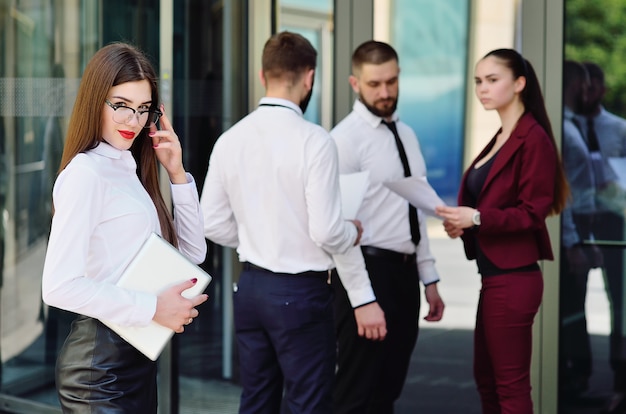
{"x":608,"y":131}
{"x":577,"y":258}
{"x":106,"y":203}
{"x":506,"y":194}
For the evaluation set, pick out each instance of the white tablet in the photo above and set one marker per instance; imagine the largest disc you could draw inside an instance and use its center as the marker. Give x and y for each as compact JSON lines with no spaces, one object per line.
{"x":157,"y":266}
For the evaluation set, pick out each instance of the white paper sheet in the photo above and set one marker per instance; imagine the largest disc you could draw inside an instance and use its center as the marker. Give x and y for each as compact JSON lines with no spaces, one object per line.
{"x":417,"y":191}
{"x":353,"y":188}
{"x":618,"y":164}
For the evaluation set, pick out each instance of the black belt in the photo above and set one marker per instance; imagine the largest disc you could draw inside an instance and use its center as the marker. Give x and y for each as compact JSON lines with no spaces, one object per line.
{"x":388,"y":254}
{"x":310,"y":273}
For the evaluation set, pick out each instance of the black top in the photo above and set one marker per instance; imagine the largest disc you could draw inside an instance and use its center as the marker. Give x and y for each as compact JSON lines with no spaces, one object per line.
{"x":475,"y":180}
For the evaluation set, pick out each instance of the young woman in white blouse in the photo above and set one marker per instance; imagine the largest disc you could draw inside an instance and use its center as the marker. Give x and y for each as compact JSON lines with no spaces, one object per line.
{"x":106,"y":203}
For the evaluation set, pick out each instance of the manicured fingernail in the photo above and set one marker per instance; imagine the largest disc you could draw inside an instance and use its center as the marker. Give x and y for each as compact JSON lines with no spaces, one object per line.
{"x":194,"y":280}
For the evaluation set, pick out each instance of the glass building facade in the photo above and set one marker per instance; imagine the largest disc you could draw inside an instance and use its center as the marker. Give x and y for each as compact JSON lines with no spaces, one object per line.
{"x":207,"y":54}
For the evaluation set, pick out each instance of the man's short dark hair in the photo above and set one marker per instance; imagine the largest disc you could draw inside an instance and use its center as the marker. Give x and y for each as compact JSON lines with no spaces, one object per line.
{"x":595,"y":71}
{"x":373,"y":52}
{"x":573,"y":72}
{"x":287,"y":55}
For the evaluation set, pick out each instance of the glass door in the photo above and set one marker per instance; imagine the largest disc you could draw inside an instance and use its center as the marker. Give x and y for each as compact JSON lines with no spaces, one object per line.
{"x":209,"y":94}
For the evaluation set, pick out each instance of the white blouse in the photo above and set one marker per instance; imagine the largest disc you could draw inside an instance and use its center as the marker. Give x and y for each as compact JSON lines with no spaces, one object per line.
{"x":102,"y":217}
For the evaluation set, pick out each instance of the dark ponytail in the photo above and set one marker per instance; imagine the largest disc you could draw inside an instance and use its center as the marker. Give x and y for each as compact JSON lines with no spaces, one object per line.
{"x":532,"y":98}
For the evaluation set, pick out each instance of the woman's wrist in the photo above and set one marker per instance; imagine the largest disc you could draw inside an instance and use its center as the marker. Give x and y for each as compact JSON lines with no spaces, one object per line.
{"x":179,"y":177}
{"x":476,"y":218}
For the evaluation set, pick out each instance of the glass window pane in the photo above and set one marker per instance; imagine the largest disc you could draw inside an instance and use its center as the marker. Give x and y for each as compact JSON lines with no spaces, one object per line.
{"x":313,"y":20}
{"x":431,"y":39}
{"x":36,"y":96}
{"x":592,"y":365}
{"x":44,"y":47}
{"x":204,"y":105}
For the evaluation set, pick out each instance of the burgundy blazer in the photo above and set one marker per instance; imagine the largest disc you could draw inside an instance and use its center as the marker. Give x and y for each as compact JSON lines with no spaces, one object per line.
{"x":515,"y":199}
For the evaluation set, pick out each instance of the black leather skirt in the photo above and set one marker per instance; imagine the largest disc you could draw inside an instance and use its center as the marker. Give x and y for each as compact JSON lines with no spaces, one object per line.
{"x":98,"y":372}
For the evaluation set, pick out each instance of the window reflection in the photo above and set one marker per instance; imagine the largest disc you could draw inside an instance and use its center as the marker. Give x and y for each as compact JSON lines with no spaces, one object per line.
{"x":592,"y":369}
{"x":33,"y":106}
{"x":44,"y":45}
{"x":313,"y":20}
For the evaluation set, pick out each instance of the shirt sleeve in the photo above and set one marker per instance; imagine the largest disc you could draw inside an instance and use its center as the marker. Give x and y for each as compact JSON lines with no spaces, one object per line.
{"x":78,"y":198}
{"x":569,"y":235}
{"x":425,"y":259}
{"x":354,"y":277}
{"x":327,"y":227}
{"x":220,"y":225}
{"x":188,"y":220}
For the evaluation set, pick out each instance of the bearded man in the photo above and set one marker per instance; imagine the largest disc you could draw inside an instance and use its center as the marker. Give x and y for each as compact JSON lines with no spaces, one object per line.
{"x":372,"y":368}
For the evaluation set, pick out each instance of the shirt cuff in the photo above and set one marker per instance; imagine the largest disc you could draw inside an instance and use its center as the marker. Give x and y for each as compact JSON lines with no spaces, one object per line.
{"x":428,"y":275}
{"x":145,"y":309}
{"x":185,"y":193}
{"x":354,"y":277}
{"x":361,"y":297}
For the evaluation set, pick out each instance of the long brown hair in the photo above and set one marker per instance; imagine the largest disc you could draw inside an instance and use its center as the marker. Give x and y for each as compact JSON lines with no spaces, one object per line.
{"x":532,"y":98}
{"x":115,"y":64}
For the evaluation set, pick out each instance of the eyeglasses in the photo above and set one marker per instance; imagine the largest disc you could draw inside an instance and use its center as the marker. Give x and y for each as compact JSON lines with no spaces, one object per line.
{"x":123,"y":114}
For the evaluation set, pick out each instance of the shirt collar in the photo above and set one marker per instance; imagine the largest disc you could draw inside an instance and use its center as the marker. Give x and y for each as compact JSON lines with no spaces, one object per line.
{"x":106,"y":150}
{"x":568,"y":113}
{"x":370,"y":118}
{"x":280,"y":102}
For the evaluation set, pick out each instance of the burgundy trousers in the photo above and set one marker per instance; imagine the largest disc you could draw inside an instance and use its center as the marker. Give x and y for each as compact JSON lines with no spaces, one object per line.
{"x":503,"y":341}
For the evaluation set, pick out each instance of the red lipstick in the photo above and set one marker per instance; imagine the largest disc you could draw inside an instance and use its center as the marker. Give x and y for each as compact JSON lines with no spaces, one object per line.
{"x":127,"y":134}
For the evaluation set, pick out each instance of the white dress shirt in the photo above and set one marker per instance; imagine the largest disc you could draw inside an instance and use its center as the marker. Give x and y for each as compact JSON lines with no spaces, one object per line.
{"x":365,"y":144}
{"x":272,"y":192}
{"x":611,"y":133}
{"x":102,"y":217}
{"x":578,"y":168}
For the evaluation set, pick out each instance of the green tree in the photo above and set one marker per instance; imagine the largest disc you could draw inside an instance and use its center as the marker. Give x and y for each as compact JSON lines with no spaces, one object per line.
{"x":595,"y":31}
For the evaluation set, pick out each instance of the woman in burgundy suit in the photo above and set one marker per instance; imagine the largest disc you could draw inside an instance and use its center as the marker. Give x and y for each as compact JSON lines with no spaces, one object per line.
{"x":505,"y":196}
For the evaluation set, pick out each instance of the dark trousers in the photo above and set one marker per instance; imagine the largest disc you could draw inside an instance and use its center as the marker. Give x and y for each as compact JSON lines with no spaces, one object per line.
{"x":503,"y":341}
{"x":575,"y":357}
{"x":286,"y":342}
{"x":370,"y":374}
{"x":610,"y":226}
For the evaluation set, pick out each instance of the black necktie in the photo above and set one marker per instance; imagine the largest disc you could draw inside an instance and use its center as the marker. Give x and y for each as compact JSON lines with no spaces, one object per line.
{"x":592,"y":138}
{"x":415,"y":228}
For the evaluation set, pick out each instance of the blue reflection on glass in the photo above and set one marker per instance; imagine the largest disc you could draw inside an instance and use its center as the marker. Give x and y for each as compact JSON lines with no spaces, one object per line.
{"x":431,"y":40}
